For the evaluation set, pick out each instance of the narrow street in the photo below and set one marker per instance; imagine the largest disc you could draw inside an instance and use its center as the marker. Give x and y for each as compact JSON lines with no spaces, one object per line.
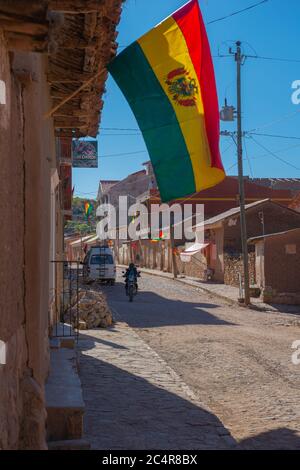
{"x":203,"y":353}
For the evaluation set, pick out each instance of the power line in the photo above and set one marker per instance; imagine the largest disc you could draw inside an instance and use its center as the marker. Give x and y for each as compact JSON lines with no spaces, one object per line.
{"x":227,"y":148}
{"x":224,"y":17}
{"x":119,"y":129}
{"x":120,"y":135}
{"x":282,"y":118}
{"x":274,"y":155}
{"x":250,"y":132}
{"x":248,"y":159}
{"x":237,"y":12}
{"x":81,"y":192}
{"x":285,"y":149}
{"x":122,"y":154}
{"x":264,"y":155}
{"x":275,"y":59}
{"x":275,"y":136}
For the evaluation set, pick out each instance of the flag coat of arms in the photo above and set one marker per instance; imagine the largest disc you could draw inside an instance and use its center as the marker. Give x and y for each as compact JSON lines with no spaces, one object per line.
{"x":167,"y":77}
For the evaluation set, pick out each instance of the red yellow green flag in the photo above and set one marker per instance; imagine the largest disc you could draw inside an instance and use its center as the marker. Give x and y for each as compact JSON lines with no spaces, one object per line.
{"x":88,"y":208}
{"x":167,"y":76}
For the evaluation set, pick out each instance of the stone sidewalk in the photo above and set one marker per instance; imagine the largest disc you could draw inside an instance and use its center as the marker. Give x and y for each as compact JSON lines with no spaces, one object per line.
{"x":134,"y":400}
{"x":223,"y":291}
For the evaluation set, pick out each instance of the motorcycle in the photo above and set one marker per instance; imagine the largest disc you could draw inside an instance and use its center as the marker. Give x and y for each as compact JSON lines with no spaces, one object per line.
{"x":131,"y":290}
{"x":131,"y":287}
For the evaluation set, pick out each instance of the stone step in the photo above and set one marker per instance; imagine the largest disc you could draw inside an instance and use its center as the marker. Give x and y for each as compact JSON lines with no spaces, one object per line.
{"x":64,"y":401}
{"x":65,"y":334}
{"x":54,"y":343}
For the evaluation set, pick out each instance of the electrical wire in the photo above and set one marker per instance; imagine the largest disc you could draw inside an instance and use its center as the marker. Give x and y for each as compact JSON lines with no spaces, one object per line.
{"x":120,"y":135}
{"x":274,"y":155}
{"x":280,"y":151}
{"x":237,"y":12}
{"x":275,"y":136}
{"x":275,"y":59}
{"x":118,"y":129}
{"x":248,"y":159}
{"x":282,"y":118}
{"x":227,"y":148}
{"x":129,"y":154}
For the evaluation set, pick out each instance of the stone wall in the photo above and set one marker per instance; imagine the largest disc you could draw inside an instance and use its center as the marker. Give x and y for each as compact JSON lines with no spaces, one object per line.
{"x":194,"y":268}
{"x":233,"y":267}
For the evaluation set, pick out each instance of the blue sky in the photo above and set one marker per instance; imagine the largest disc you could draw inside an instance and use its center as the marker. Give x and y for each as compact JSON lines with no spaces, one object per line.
{"x":269,"y":30}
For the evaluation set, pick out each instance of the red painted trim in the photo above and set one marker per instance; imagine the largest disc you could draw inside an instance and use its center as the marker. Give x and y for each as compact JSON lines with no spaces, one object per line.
{"x":190,"y":22}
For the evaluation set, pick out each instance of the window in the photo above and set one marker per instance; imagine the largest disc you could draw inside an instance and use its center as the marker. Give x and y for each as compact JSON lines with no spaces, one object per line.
{"x":102,"y":259}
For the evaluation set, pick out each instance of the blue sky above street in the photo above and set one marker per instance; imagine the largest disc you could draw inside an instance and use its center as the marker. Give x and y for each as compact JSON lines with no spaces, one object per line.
{"x":269,"y":30}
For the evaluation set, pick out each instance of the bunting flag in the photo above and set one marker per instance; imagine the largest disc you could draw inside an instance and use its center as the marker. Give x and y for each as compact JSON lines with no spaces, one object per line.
{"x":167,"y":77}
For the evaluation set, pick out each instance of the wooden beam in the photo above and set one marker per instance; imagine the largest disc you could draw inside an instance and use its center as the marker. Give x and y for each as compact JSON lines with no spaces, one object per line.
{"x":76,"y":43}
{"x":77,"y":113}
{"x":75,"y":93}
{"x":71,"y":125}
{"x":76,"y":6}
{"x":22,"y":42}
{"x":30,"y":28}
{"x":71,"y":115}
{"x":36,"y":8}
{"x":69,"y":78}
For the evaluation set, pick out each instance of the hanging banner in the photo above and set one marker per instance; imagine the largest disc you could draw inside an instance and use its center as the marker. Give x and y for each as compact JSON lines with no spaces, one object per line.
{"x":85,"y":154}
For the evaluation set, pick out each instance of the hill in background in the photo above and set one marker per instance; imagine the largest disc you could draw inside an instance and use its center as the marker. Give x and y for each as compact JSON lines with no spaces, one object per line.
{"x":80,"y":224}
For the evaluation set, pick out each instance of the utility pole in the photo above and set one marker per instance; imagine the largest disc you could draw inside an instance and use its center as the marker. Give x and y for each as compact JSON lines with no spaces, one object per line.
{"x":239,"y":59}
{"x":172,"y":245}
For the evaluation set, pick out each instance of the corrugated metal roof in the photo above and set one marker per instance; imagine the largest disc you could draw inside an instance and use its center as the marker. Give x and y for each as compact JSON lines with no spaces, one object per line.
{"x":270,"y":235}
{"x":232,"y":212}
{"x":107,"y":184}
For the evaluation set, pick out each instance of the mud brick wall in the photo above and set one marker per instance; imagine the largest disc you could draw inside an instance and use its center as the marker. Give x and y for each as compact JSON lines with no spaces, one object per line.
{"x":194,"y":268}
{"x":233,"y":266}
{"x":26,"y":147}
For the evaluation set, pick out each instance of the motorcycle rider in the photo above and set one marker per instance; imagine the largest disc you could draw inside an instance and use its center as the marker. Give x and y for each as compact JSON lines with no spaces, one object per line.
{"x":131,"y":270}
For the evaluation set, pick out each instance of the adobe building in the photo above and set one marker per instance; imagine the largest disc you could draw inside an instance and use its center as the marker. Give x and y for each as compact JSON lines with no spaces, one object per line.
{"x":225,"y":195}
{"x":277,"y":261}
{"x":222,"y":236}
{"x":295,"y":204}
{"x":50,"y":91}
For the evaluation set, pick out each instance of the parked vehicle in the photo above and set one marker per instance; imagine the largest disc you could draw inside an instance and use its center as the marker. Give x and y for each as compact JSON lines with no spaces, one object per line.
{"x":99,"y":265}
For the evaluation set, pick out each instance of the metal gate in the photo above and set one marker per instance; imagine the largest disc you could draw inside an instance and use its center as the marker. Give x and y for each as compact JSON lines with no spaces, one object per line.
{"x":65,"y":320}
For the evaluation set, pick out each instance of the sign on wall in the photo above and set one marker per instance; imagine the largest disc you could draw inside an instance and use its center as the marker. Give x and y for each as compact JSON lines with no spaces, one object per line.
{"x":85,"y":154}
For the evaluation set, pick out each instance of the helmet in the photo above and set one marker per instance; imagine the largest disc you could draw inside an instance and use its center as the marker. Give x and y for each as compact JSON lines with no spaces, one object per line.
{"x":131,"y":266}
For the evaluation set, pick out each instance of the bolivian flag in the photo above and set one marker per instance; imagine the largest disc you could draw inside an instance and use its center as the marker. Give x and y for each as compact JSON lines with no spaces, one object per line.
{"x":168,"y":79}
{"x":88,"y":209}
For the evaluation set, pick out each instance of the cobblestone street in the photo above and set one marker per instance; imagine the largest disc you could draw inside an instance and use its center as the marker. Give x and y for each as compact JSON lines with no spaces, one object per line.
{"x":202,"y":354}
{"x":134,"y":400}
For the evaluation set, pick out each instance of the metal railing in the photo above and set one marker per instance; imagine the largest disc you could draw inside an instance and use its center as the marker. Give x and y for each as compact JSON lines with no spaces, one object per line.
{"x":66,"y":321}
